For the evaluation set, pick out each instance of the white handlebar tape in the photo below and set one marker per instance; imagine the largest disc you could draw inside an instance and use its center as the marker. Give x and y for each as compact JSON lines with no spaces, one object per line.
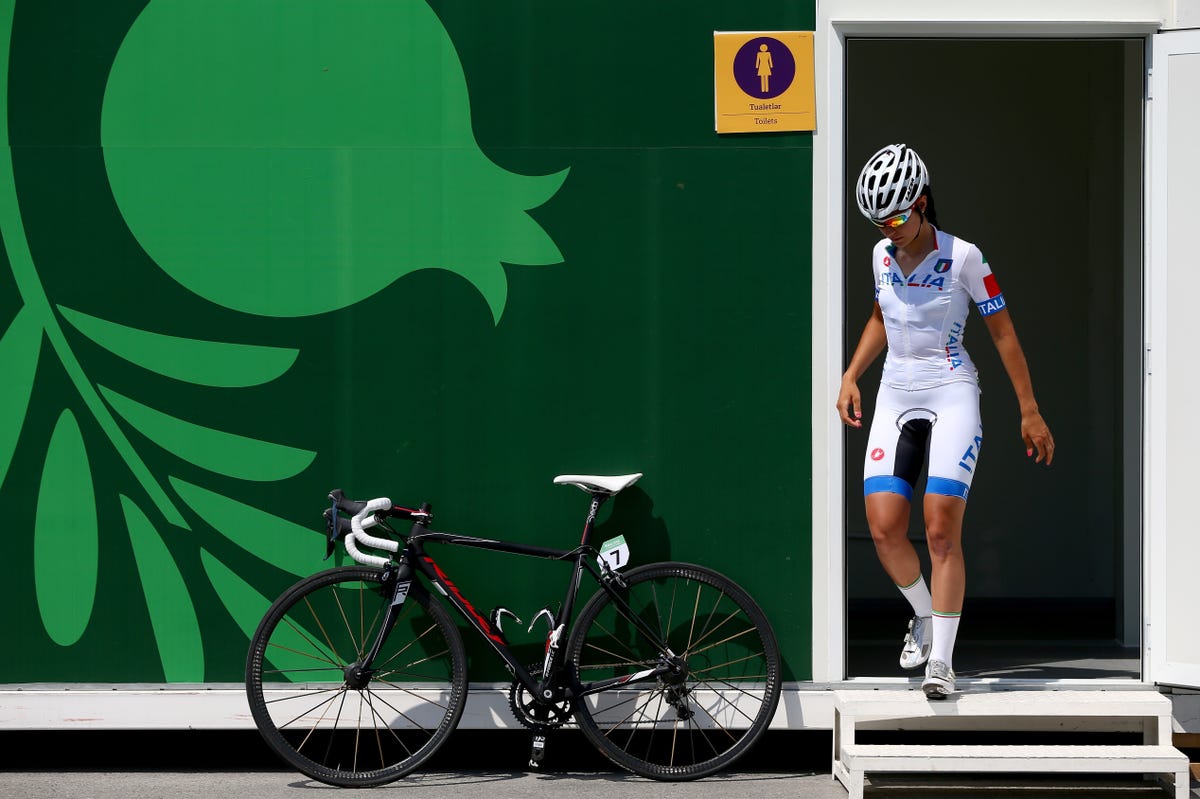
{"x":361,"y":557}
{"x":363,"y":519}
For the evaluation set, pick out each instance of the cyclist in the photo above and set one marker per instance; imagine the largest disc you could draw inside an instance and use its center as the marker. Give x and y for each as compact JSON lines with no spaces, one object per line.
{"x":928,"y":400}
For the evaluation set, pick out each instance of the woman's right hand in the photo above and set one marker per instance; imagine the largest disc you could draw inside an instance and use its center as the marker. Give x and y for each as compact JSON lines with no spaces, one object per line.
{"x":849,"y":403}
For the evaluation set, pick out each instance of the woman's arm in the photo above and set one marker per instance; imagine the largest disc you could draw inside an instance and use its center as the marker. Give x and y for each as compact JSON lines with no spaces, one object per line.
{"x":1034,"y":430}
{"x":870,"y":344}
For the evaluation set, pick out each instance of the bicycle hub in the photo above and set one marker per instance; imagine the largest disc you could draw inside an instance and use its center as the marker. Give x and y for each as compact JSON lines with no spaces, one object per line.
{"x":357,"y":677}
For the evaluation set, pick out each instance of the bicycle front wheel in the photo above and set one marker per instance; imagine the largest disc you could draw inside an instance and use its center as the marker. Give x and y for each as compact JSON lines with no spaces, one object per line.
{"x":345,"y":731}
{"x":720,"y":694}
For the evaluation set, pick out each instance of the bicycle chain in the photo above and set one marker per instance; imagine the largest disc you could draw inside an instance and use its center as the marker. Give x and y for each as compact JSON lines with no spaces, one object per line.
{"x":525,"y":707}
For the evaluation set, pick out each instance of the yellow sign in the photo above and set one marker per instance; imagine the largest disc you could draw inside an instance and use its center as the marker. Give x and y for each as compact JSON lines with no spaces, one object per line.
{"x":764,"y":82}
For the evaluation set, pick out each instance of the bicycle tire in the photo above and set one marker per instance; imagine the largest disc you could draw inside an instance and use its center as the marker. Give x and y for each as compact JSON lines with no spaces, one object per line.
{"x":309,"y":714}
{"x":693,"y":724}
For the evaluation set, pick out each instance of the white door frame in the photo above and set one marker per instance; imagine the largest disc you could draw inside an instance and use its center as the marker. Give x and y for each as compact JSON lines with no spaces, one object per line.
{"x":1170,"y":632}
{"x":922,"y":18}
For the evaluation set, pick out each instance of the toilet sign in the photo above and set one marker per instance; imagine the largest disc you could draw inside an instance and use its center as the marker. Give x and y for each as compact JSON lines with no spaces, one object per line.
{"x":764,"y":82}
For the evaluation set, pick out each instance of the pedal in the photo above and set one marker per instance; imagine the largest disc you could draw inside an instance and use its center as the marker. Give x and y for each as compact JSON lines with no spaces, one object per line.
{"x":537,"y":752}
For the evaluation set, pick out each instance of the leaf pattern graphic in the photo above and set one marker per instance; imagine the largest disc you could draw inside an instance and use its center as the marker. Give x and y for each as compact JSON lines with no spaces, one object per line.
{"x":243,"y":601}
{"x":19,"y":351}
{"x":207,"y":363}
{"x":66,"y":546}
{"x":289,"y":546}
{"x":214,"y":450}
{"x":246,"y":605}
{"x":310,"y":166}
{"x":172,"y":614}
{"x":306,"y":169}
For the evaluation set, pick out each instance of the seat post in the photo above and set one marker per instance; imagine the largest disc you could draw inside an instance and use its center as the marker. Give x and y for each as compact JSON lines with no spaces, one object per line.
{"x":598,"y":499}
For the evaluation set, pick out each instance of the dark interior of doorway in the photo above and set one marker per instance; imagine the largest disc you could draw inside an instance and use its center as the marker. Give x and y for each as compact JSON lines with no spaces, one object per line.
{"x":1034,"y":148}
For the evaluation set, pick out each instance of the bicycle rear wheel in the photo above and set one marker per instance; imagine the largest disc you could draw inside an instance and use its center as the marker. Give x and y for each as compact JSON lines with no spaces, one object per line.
{"x":315,"y":719}
{"x":723,"y":693}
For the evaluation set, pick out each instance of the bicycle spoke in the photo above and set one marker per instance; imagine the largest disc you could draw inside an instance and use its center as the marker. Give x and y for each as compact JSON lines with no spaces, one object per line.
{"x":378,"y":737}
{"x":687,"y":722}
{"x":695,"y":613}
{"x":321,"y":627}
{"x":713,"y":631}
{"x":416,"y":724}
{"x":734,"y":637}
{"x":653,"y":726}
{"x":736,"y":708}
{"x":703,"y":735}
{"x":362,"y":617}
{"x":379,"y":730}
{"x":664,"y":631}
{"x":620,"y":662}
{"x":356,"y":646}
{"x":357,"y":734}
{"x":303,"y":633}
{"x":716,"y":724}
{"x":615,"y":705}
{"x":735,"y":661}
{"x":616,"y":638}
{"x":313,"y":670}
{"x":409,"y":645}
{"x":635,"y":711}
{"x":716,"y":603}
{"x":386,"y":726}
{"x":328,"y":746}
{"x":320,"y":657}
{"x":310,"y":692}
{"x":327,"y":701}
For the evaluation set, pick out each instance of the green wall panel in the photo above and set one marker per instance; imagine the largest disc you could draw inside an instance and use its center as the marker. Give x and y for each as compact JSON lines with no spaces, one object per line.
{"x":629,"y":292}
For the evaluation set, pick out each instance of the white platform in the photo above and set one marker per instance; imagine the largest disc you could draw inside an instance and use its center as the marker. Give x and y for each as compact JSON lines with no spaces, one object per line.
{"x":1144,"y":711}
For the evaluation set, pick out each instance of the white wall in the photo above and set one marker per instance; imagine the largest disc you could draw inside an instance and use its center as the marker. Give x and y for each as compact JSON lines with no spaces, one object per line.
{"x":1186,"y":14}
{"x":1014,"y":15}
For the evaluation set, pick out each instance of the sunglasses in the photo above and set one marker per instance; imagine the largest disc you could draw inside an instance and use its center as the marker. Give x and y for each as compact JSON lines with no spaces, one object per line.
{"x":893,"y":222}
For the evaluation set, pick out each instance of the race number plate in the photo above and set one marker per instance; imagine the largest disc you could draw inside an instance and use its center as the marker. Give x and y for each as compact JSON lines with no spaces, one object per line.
{"x":615,"y":552}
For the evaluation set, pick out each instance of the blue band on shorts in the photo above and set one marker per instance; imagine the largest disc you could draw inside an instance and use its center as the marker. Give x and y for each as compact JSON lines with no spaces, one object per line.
{"x":887,"y":483}
{"x":947,"y":487}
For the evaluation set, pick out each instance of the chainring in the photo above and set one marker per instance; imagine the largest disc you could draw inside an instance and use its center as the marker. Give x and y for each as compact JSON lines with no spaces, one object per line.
{"x":526,"y":708}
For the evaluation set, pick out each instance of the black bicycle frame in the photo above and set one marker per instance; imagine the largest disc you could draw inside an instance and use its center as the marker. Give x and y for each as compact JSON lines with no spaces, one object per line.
{"x":414,"y":556}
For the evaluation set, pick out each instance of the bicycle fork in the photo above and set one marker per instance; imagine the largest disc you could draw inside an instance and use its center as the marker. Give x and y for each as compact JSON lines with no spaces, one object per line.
{"x":397,"y":580}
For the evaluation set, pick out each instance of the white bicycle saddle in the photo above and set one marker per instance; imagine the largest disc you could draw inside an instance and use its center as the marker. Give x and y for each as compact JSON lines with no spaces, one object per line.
{"x":596,"y":484}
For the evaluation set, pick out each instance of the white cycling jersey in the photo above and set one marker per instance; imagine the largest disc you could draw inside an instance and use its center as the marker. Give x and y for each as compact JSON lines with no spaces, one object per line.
{"x":925,"y":312}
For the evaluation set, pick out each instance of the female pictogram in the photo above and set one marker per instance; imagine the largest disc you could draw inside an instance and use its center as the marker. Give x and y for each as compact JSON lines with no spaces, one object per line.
{"x":763,"y":65}
{"x":764,"y":68}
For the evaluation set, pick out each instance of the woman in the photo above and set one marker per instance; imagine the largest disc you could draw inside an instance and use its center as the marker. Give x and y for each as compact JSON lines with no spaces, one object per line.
{"x":928,"y":401}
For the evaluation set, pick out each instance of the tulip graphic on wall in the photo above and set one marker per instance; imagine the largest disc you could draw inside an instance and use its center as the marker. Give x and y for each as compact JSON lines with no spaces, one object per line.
{"x":296,"y":170}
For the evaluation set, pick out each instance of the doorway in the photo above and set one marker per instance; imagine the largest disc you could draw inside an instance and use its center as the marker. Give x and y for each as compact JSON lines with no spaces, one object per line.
{"x":1035,"y":149}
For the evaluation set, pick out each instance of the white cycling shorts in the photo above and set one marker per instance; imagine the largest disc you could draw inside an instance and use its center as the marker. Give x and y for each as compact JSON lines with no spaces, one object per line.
{"x":939,"y":424}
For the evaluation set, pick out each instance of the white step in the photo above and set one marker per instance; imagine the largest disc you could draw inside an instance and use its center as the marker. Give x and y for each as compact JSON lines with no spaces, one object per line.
{"x":913,"y":704}
{"x":1141,"y":710}
{"x":858,"y":760}
{"x":1148,"y":711}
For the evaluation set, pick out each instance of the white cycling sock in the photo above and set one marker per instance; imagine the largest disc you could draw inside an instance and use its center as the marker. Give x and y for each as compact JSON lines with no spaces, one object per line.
{"x":945,"y":630}
{"x":918,"y":596}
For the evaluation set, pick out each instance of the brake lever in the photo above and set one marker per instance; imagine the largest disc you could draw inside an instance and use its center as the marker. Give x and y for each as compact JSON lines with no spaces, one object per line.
{"x":336,"y":526}
{"x":331,"y":529}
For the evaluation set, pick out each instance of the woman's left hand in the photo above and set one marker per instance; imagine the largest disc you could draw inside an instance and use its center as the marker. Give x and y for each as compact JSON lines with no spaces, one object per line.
{"x":1037,"y":437}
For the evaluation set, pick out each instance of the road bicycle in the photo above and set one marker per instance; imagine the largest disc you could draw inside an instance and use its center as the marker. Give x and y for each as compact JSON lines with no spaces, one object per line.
{"x":358,"y":674}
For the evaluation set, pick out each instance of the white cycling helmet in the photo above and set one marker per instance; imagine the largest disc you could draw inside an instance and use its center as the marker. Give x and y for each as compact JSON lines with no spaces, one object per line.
{"x":891,"y":182}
